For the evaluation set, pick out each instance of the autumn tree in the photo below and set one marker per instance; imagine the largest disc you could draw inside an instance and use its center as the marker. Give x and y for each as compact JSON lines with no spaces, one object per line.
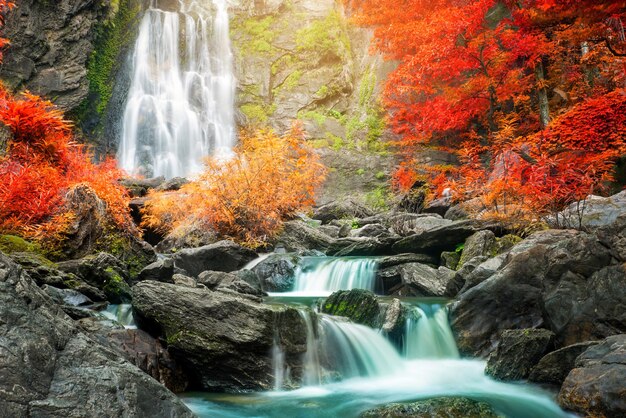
{"x":248,"y":197}
{"x":483,"y":79}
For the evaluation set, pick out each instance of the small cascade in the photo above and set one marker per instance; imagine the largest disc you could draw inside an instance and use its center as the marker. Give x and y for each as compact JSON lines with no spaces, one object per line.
{"x":122,"y":314}
{"x":312,"y":375}
{"x":321,"y":276}
{"x":278,"y":364}
{"x":428,"y":334}
{"x":355,"y":350}
{"x":180,"y":105}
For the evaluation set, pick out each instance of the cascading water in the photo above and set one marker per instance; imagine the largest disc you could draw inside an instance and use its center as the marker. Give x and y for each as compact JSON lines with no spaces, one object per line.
{"x":428,"y":334}
{"x":122,"y":314}
{"x":320,"y":276}
{"x":180,"y":106}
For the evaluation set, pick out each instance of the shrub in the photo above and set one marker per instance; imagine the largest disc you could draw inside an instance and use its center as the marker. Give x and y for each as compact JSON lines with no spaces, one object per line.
{"x":247,"y":198}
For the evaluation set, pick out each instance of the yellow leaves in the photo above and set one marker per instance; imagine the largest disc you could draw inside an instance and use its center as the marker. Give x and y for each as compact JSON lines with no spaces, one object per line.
{"x":248,"y":197}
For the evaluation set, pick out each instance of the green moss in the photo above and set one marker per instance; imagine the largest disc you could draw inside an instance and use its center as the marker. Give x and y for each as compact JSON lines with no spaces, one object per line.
{"x":257,"y":113}
{"x":313,"y":115}
{"x":116,"y":288}
{"x":256,"y":35}
{"x":14,"y":244}
{"x":379,"y":198}
{"x":380,"y":175}
{"x":111,"y":38}
{"x":290,"y":83}
{"x":324,"y":36}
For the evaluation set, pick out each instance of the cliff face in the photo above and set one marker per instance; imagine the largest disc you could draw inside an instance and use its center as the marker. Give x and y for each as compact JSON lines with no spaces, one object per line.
{"x":51,"y":42}
{"x":294,"y":60}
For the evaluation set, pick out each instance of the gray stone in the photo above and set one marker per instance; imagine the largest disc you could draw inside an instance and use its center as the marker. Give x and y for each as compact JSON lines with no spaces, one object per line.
{"x":482,"y":243}
{"x":359,"y":305}
{"x":66,"y":296}
{"x":450,"y":259}
{"x":345,"y":209}
{"x":371,"y":231}
{"x":518,"y":352}
{"x":48,"y":367}
{"x":595,"y":387}
{"x":448,"y":407}
{"x":221,"y":256}
{"x":593,"y":212}
{"x":222,"y":340}
{"x":277,"y":272}
{"x":182,"y":280}
{"x":555,"y":366}
{"x":161,"y":270}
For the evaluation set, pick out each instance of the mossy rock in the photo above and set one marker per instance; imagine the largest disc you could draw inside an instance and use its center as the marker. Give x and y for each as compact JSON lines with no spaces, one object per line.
{"x":359,"y":305}
{"x":14,"y":244}
{"x":116,"y":288}
{"x":453,"y":407}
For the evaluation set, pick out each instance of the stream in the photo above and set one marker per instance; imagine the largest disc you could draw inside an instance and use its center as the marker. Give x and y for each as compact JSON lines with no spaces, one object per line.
{"x":349,"y":368}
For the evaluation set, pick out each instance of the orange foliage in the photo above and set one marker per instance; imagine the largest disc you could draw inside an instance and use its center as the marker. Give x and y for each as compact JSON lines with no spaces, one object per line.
{"x":483,"y":78}
{"x":248,"y":197}
{"x":42,"y":163}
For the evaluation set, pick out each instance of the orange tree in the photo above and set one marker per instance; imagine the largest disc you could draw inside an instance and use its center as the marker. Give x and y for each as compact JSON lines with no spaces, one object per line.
{"x":482,"y":78}
{"x":247,"y":198}
{"x":41,"y":163}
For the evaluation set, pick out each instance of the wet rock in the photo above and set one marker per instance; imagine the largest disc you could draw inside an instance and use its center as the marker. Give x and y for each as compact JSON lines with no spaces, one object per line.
{"x":51,"y":368}
{"x":161,"y":270}
{"x":555,"y":280}
{"x":439,"y":238}
{"x":222,"y":340}
{"x":394,"y":320}
{"x":147,"y":353}
{"x":482,"y":243}
{"x":277,"y":272}
{"x":66,"y":296}
{"x":359,"y":305}
{"x":519,"y":350}
{"x":341,"y":209}
{"x":448,"y":407}
{"x":425,"y":280}
{"x":595,"y":387}
{"x":555,"y":366}
{"x":221,"y":256}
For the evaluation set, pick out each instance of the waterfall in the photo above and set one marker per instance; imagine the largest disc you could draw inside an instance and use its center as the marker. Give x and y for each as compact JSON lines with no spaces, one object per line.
{"x":355,"y":350}
{"x":123,"y":314}
{"x":428,"y":333}
{"x":312,"y":369}
{"x":180,"y":105}
{"x":320,"y":276}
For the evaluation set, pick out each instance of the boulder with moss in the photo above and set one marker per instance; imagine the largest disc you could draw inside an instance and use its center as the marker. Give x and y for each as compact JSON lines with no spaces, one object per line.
{"x":358,"y":305}
{"x":449,"y":407}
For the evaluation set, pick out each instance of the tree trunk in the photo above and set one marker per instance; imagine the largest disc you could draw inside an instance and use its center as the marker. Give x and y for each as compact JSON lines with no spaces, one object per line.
{"x":542,"y":95}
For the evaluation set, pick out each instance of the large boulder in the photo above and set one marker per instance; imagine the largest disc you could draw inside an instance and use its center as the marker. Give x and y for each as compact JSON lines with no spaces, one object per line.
{"x":444,"y":237}
{"x":359,"y":305}
{"x":595,"y":387}
{"x":223,"y":340}
{"x":277,"y":272}
{"x":161,"y":270}
{"x":298,"y":235}
{"x":48,"y":367}
{"x":222,"y":256}
{"x":341,"y":209}
{"x":592,"y":212}
{"x":519,"y":350}
{"x":555,"y":366}
{"x":556,"y":280}
{"x":448,"y":407}
{"x":482,"y":243}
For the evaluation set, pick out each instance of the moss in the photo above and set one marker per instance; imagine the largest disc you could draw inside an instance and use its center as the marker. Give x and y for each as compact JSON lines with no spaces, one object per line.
{"x":313,"y":115}
{"x":257,"y":113}
{"x":116,"y":288}
{"x":290,"y":83}
{"x":14,"y":244}
{"x":111,"y":38}
{"x":325,"y":36}
{"x":379,"y":198}
{"x":255,"y":35}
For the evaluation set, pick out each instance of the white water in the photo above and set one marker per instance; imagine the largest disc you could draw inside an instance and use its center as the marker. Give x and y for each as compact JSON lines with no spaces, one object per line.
{"x":312,"y":368}
{"x":321,"y":276}
{"x":122,"y":314}
{"x":428,"y":335}
{"x":180,"y":106}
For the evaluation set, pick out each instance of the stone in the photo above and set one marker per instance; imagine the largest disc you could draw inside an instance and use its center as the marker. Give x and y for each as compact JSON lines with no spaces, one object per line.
{"x":518,"y":352}
{"x":161,"y":270}
{"x":445,"y":237}
{"x":139,"y":187}
{"x":555,"y":366}
{"x":394,"y":320}
{"x":439,"y":206}
{"x":595,"y":387}
{"x":182,"y":280}
{"x":221,"y":256}
{"x":172,"y":184}
{"x":480,"y":269}
{"x":359,"y":305}
{"x":49,"y":367}
{"x":450,"y":259}
{"x":481,"y":243}
{"x":591,"y":213}
{"x":448,"y":407}
{"x":277,"y":272}
{"x":344,"y":209}
{"x":300,"y":236}
{"x":425,"y":280}
{"x":222,"y":340}
{"x":66,"y":296}
{"x":407,"y":224}
{"x":371,"y":231}
{"x":147,"y":353}
{"x":555,"y":279}
{"x":395,"y":260}
{"x":212,"y":279}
